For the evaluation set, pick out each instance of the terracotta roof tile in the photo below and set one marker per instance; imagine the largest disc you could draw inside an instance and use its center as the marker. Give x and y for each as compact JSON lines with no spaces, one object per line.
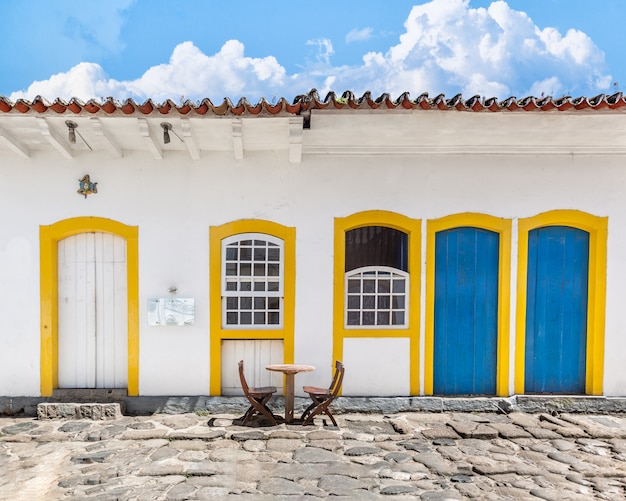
{"x":312,"y":101}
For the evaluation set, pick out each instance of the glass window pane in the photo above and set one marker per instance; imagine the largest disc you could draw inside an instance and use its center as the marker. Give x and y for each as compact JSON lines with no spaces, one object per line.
{"x":245,"y":270}
{"x":369,"y":318}
{"x":259,"y":254}
{"x":398,"y":302}
{"x":259,"y":286}
{"x":231,"y":269}
{"x":231,"y":303}
{"x":273,"y":254}
{"x":245,"y":242}
{"x":245,"y":303}
{"x":231,"y":286}
{"x":245,"y":254}
{"x":369,"y":302}
{"x":231,"y":253}
{"x":245,"y":318}
{"x":383,"y":318}
{"x":273,"y":318}
{"x":259,"y":269}
{"x":245,"y":286}
{"x":398,"y":318}
{"x":273,"y":303}
{"x":231,"y":318}
{"x":369,"y":285}
{"x":398,"y":285}
{"x":383,"y":285}
{"x":259,"y":318}
{"x":354,"y":302}
{"x":259,"y":303}
{"x":354,"y":318}
{"x":262,"y":243}
{"x":273,"y":286}
{"x":384,"y":302}
{"x":273,"y":270}
{"x":354,"y":286}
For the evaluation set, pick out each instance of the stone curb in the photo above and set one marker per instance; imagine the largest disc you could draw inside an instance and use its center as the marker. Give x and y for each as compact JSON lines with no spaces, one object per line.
{"x":146,"y":405}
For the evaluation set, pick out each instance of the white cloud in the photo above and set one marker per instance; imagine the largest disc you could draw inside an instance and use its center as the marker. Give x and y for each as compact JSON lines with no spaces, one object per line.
{"x":324,"y":49}
{"x":357,"y":35}
{"x":229,"y":73}
{"x":447,"y":47}
{"x":84,"y":81}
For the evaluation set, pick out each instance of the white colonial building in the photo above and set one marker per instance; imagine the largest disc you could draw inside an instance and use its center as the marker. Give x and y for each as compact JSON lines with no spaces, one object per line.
{"x":435,"y":246}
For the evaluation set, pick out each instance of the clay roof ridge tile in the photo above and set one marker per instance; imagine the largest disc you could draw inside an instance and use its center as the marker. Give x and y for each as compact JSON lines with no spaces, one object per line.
{"x":491,"y":104}
{"x":614,"y":98}
{"x":404,"y":101}
{"x":423,"y":101}
{"x":5,"y":104}
{"x":223,"y":108}
{"x":128,"y":106}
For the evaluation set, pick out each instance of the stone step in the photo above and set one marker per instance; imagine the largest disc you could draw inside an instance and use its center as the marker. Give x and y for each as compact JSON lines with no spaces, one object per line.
{"x":74,"y":410}
{"x":89,"y":395}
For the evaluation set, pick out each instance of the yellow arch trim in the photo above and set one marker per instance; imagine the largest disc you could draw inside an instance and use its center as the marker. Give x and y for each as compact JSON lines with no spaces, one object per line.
{"x":503,"y":228}
{"x":49,"y":237}
{"x":597,"y":228}
{"x":412,"y":227}
{"x":217,"y":334}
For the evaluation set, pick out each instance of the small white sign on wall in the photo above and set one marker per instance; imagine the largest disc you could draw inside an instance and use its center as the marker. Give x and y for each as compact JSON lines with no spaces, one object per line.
{"x":170,"y":311}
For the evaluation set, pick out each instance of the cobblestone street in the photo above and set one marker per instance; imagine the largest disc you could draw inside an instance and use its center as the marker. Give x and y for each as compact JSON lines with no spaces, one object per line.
{"x":427,"y":456}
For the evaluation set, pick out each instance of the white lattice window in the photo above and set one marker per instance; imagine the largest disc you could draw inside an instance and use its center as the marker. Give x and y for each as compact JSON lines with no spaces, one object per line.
{"x":252,"y":282}
{"x":376,"y":296}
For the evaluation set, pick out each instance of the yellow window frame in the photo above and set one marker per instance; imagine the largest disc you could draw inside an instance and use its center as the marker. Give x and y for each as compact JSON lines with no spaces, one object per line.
{"x":412,"y":227}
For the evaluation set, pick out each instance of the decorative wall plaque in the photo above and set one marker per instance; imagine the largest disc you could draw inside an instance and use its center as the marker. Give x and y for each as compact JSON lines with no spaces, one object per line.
{"x":86,"y":186}
{"x":170,"y":311}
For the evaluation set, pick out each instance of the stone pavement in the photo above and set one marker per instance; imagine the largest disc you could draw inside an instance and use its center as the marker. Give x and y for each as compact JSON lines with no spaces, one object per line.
{"x":425,"y":456}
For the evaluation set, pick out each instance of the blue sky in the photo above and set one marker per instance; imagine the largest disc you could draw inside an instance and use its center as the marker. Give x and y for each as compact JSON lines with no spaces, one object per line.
{"x":192,"y":49}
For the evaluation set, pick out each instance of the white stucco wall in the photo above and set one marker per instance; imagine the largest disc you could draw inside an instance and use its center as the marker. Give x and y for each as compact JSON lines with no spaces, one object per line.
{"x":174,"y":201}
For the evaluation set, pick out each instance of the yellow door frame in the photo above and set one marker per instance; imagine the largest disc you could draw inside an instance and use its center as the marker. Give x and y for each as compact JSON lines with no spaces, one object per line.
{"x":597,"y":227}
{"x":49,"y":236}
{"x":503,"y":228}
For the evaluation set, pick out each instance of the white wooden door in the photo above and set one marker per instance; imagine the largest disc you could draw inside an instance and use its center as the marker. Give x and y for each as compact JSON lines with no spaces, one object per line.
{"x":93,"y":312}
{"x":256,"y":354}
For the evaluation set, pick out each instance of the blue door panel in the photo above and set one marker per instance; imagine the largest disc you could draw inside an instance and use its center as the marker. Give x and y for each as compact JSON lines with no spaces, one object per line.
{"x":556,"y":310}
{"x":466,"y":311}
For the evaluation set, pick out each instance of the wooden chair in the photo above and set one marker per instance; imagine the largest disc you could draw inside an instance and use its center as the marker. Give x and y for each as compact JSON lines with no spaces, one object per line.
{"x":323,"y":397}
{"x":258,"y":398}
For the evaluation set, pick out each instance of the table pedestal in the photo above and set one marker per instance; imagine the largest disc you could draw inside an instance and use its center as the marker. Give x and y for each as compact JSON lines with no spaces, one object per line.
{"x":289,"y":370}
{"x":289,"y":397}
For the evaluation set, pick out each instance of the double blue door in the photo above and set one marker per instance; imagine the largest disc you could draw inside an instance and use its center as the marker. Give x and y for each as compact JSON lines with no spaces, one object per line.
{"x":556,"y":310}
{"x":466,"y":311}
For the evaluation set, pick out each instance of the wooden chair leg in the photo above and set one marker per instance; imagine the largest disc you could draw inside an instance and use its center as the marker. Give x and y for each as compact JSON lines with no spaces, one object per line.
{"x":263,"y":409}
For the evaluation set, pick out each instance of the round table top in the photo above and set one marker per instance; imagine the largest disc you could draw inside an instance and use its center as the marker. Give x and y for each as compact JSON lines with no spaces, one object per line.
{"x":290,"y":368}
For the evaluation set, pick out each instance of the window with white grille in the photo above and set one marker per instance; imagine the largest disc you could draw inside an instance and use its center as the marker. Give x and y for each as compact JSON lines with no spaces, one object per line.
{"x":376,"y":297}
{"x":252,"y":281}
{"x":377,"y":278}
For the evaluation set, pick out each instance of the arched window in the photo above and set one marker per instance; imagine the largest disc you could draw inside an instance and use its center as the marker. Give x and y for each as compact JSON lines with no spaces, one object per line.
{"x":252,"y":281}
{"x":377,"y":279}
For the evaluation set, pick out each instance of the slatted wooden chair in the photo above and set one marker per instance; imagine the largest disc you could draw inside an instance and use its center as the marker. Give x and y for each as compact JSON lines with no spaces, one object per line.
{"x":323,"y":397}
{"x":258,"y":398}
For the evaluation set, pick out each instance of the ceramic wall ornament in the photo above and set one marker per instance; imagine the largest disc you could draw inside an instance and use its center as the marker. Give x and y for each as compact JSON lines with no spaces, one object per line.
{"x":86,"y":186}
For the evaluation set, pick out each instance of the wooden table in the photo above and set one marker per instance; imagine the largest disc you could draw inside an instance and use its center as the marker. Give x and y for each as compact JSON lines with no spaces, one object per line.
{"x":290,"y":370}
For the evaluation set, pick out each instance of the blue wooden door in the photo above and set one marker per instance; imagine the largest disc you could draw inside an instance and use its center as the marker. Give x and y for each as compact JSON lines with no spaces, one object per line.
{"x":556,"y":310}
{"x":466,"y":311}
